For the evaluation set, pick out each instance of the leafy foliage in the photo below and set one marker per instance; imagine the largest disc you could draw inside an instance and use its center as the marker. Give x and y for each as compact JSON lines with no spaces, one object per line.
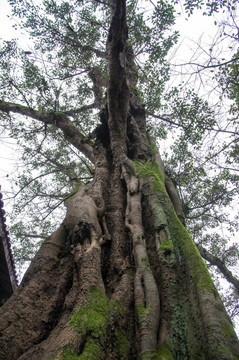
{"x":209,"y":7}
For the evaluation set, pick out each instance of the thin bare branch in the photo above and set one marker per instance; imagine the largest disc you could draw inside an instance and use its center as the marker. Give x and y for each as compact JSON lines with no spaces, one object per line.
{"x":80,"y":110}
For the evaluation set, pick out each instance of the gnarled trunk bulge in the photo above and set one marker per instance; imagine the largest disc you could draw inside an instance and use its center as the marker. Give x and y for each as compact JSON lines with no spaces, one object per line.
{"x":120,"y":278}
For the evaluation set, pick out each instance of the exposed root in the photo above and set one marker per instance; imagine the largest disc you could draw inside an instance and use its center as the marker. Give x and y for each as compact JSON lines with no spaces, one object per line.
{"x":145,"y":288}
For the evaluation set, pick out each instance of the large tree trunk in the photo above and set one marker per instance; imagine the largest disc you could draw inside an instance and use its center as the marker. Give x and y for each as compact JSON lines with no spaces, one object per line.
{"x":121,"y":277}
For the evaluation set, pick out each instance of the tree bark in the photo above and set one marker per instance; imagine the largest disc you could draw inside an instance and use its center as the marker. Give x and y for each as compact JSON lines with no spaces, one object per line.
{"x":121,"y":278}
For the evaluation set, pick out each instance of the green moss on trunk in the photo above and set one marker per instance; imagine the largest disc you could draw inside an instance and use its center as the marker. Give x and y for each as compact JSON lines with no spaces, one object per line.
{"x":163,"y":353}
{"x":95,"y":321}
{"x":218,"y":339}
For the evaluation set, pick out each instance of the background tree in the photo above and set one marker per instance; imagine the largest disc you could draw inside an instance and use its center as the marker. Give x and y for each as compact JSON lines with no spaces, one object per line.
{"x":121,"y":266}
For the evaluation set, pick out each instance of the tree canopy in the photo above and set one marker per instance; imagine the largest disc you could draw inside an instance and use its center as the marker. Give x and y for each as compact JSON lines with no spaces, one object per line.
{"x":51,"y":98}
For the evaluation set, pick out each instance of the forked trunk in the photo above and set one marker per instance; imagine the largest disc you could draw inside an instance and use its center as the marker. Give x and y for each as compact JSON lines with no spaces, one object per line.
{"x":121,"y":277}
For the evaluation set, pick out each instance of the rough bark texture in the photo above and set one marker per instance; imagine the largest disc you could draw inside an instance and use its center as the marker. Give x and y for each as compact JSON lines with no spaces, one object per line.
{"x":121,"y":277}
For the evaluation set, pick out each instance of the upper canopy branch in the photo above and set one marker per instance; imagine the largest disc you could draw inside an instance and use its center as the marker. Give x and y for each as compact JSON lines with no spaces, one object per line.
{"x":209,"y":65}
{"x":58,"y":119}
{"x":84,"y":48}
{"x":81,"y":109}
{"x":166,"y":118}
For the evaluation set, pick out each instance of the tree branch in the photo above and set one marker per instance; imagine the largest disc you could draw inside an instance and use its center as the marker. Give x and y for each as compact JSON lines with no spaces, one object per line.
{"x":83,"y":48}
{"x":163,"y":118}
{"x":58,"y":119}
{"x":213,"y":260}
{"x":33,"y":179}
{"x":80,"y":110}
{"x":104,"y":3}
{"x":210,"y":66}
{"x":34,"y":236}
{"x":99,"y":82}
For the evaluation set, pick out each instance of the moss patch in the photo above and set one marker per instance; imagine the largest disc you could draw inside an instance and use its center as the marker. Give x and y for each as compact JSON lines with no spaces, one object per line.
{"x":93,"y":317}
{"x":123,"y":345}
{"x":194,"y":270}
{"x":228,"y":329}
{"x":69,"y":354}
{"x":94,"y":320}
{"x":166,"y":245}
{"x":190,"y":254}
{"x":145,"y":261}
{"x":143,"y":311}
{"x":163,"y":353}
{"x":150,"y":168}
{"x":179,"y":323}
{"x":184,"y":246}
{"x":92,"y":351}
